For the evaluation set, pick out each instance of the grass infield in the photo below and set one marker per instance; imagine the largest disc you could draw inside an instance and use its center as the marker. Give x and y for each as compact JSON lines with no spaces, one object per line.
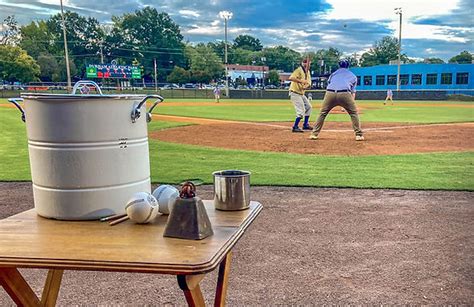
{"x":174,"y":163}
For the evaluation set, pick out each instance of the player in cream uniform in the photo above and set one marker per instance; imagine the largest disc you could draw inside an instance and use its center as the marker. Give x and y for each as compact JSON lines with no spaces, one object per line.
{"x":300,"y":81}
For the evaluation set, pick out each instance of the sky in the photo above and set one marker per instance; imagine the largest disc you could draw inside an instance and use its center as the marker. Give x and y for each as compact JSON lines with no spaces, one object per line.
{"x":430,"y":28}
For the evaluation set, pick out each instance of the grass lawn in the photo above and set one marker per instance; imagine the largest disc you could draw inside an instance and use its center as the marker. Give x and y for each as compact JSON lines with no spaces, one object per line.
{"x":282,"y":110}
{"x":173,"y":163}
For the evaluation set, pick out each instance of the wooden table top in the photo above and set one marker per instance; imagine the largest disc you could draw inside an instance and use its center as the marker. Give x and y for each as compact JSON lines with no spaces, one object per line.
{"x":28,"y":240}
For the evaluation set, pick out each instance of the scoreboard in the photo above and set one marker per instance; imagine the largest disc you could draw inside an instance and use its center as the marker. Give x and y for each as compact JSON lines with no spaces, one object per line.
{"x":111,"y":71}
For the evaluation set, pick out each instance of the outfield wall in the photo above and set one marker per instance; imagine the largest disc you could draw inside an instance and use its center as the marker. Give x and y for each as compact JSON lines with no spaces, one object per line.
{"x":274,"y":94}
{"x":365,"y":95}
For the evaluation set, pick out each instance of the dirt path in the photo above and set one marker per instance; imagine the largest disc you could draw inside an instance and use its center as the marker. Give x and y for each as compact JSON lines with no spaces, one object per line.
{"x":310,"y":247}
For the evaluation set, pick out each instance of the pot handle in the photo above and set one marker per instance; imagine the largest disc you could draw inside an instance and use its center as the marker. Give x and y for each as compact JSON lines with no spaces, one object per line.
{"x":137,"y":106}
{"x":82,"y":83}
{"x":16,"y":102}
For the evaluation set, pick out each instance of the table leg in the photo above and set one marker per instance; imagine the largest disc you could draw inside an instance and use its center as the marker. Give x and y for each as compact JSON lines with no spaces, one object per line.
{"x":222,"y":281}
{"x":51,"y":288}
{"x":190,"y":286}
{"x":17,"y":287}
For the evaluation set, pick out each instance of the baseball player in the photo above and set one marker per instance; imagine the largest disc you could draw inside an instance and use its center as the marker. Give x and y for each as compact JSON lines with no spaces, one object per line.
{"x":389,"y":96}
{"x":217,"y":93}
{"x":340,"y":92}
{"x":300,"y":81}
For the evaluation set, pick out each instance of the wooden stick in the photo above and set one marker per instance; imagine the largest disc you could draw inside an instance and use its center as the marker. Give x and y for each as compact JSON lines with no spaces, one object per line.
{"x":120,"y":220}
{"x":112,"y":217}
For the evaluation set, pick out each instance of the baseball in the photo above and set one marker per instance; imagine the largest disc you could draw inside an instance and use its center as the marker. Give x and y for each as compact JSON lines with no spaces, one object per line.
{"x":166,"y":196}
{"x":142,"y":207}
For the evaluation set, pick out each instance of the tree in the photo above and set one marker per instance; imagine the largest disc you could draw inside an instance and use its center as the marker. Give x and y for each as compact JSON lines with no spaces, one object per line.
{"x":62,"y":75}
{"x":242,"y":56}
{"x":17,"y":65}
{"x":9,"y":31}
{"x":273,"y":77}
{"x":433,"y":61}
{"x":281,"y":58}
{"x":353,"y":60}
{"x":382,"y":52}
{"x":49,"y":67}
{"x":219,"y":49}
{"x":205,"y":64}
{"x":179,"y":75}
{"x":247,"y":42}
{"x":36,"y":38}
{"x":329,"y":58}
{"x":147,"y":35}
{"x":84,"y":36}
{"x":464,"y":57}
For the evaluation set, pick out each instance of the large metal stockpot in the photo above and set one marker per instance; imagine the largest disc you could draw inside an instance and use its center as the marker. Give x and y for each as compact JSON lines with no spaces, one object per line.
{"x":88,"y":153}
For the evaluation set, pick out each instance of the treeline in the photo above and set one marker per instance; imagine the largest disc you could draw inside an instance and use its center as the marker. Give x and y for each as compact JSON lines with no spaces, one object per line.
{"x":145,"y":37}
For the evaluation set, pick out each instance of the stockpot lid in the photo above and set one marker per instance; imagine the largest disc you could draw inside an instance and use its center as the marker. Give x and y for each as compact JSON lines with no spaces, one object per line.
{"x":80,"y":85}
{"x":40,"y":96}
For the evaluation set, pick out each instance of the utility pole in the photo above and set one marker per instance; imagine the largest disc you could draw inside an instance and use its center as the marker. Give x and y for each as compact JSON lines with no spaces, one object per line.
{"x":68,"y":70}
{"x":398,"y":11}
{"x":156,"y":76}
{"x":101,"y":46}
{"x":226,"y":16}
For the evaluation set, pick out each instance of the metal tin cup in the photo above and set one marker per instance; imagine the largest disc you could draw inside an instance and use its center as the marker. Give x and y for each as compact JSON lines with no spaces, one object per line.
{"x":231,"y":190}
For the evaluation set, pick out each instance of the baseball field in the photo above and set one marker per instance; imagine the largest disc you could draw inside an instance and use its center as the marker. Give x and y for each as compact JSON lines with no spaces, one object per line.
{"x":394,"y":240}
{"x":409,"y":145}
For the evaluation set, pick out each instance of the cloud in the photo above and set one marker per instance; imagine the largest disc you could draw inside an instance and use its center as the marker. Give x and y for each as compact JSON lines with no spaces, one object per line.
{"x":430,"y":27}
{"x":189,"y":13}
{"x":375,"y":10}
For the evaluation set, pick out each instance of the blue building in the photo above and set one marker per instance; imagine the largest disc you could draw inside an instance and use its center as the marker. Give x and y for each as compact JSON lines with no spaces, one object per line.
{"x":450,"y":77}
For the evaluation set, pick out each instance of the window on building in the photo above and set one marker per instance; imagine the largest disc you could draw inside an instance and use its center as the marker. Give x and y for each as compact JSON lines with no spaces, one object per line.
{"x":447,"y":78}
{"x":431,"y":79}
{"x":403,"y":79}
{"x":358,"y":80}
{"x":367,"y":80}
{"x":462,"y":77}
{"x":392,"y":80}
{"x":380,"y":80}
{"x":416,"y":79}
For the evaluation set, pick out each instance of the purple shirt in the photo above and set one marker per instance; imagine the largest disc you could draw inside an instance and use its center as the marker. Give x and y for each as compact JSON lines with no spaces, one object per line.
{"x":342,"y":79}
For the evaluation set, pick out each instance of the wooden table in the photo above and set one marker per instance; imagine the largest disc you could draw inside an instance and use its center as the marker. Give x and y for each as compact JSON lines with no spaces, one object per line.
{"x":30,"y":241}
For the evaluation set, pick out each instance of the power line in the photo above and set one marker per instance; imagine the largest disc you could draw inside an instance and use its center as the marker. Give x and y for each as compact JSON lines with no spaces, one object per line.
{"x":98,"y":43}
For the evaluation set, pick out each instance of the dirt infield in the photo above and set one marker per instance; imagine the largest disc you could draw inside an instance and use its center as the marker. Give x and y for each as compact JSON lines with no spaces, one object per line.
{"x":310,"y":247}
{"x":335,"y":139}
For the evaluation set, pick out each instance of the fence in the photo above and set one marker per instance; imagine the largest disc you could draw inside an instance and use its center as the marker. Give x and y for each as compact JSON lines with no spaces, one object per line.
{"x":166,"y":93}
{"x":467,"y":95}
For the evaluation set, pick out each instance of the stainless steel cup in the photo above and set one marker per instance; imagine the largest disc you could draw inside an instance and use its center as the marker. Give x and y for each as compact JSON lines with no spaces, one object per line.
{"x":231,"y":190}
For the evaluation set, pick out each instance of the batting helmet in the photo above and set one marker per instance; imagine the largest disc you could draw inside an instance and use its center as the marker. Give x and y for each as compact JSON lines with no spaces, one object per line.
{"x":344,"y":63}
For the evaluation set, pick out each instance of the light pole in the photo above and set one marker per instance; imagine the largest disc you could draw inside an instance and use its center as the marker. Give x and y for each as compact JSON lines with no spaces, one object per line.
{"x":226,"y":15}
{"x":398,"y":11}
{"x":263,"y":72}
{"x":68,"y":71}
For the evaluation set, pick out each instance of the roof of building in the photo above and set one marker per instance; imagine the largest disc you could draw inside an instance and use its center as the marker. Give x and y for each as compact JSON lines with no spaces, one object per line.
{"x":247,"y":67}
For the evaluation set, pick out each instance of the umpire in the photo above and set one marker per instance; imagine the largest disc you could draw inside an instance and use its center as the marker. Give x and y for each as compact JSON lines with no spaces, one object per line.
{"x":340,"y":92}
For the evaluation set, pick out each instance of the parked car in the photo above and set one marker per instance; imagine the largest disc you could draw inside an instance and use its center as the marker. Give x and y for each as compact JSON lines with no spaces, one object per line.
{"x":271,"y":86}
{"x":189,"y":85}
{"x":170,"y":86}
